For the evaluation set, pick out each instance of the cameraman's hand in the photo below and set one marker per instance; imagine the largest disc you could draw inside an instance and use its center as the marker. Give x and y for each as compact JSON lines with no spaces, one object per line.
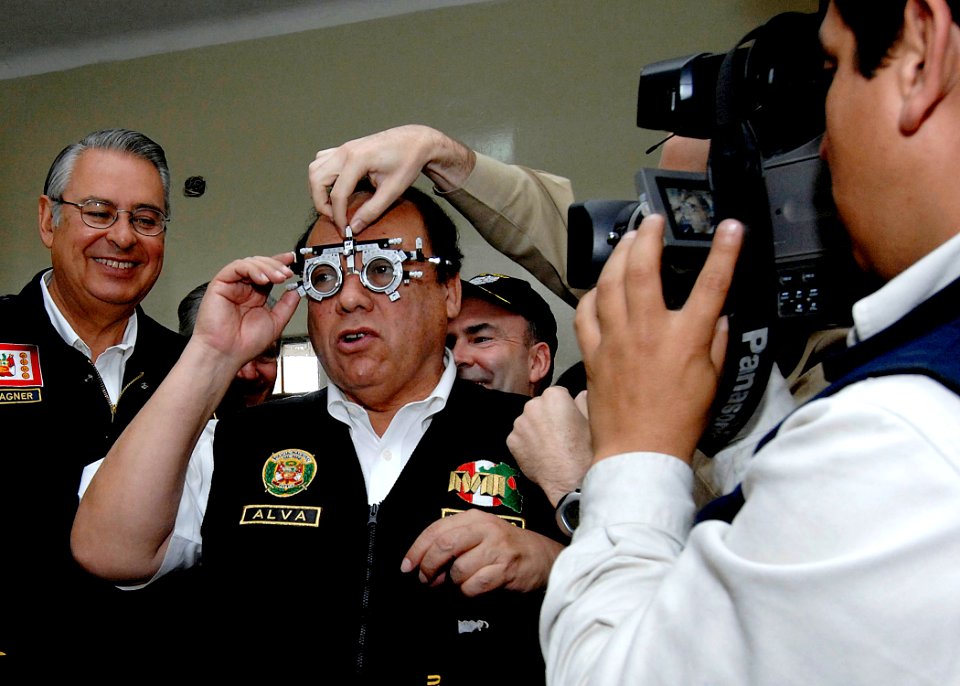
{"x":392,"y":159}
{"x":652,"y":373}
{"x":551,"y":441}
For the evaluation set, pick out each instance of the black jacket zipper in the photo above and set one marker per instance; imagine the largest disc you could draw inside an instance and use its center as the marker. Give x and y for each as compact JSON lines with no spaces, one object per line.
{"x":367,"y":584}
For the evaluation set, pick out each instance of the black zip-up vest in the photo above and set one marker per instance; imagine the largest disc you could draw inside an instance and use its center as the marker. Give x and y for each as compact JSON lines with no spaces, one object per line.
{"x":322,"y":568}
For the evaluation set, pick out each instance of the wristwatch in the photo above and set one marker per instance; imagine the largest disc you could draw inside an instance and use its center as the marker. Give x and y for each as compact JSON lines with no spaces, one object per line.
{"x":568,"y":512}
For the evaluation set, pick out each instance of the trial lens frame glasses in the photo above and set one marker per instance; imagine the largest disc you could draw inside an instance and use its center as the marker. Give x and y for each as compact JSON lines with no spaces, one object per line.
{"x":102,"y":214}
{"x":381,"y":269}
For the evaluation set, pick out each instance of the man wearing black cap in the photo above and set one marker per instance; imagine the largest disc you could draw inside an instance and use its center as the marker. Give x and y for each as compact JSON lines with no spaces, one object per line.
{"x":505,"y":336}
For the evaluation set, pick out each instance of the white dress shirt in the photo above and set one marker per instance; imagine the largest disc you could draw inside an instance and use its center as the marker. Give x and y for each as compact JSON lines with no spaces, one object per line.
{"x":112,"y":362}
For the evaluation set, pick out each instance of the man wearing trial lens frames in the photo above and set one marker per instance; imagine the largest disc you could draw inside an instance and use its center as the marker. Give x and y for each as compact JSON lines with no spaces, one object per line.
{"x":355,"y":487}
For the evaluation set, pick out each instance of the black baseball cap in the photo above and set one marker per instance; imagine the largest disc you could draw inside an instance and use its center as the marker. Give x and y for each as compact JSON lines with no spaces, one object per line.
{"x":519,"y":297}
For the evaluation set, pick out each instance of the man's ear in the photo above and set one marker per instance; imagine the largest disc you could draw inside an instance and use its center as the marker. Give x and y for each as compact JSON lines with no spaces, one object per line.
{"x":453,"y":296}
{"x":45,"y":216}
{"x":929,"y":60}
{"x":539,"y":357}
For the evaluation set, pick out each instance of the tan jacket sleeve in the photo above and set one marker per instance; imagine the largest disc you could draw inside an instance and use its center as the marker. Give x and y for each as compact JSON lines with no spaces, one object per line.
{"x":522,"y":213}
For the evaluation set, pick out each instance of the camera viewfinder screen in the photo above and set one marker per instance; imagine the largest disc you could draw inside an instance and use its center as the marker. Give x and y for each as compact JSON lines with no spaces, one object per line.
{"x":691,"y":211}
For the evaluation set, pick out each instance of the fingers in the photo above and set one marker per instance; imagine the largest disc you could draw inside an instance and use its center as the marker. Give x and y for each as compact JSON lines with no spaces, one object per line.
{"x":288,"y":257}
{"x":551,"y":443}
{"x":480,"y":552}
{"x":652,"y":371}
{"x":258,"y":270}
{"x":641,"y":270}
{"x":586,"y":327}
{"x":391,"y":159}
{"x":331,"y":184}
{"x":556,"y":394}
{"x":284,"y":308}
{"x":371,"y":209}
{"x":581,"y":402}
{"x":333,"y":180}
{"x":457,"y":544}
{"x":710,"y":291}
{"x":718,"y":346}
{"x":320,"y":182}
{"x":437,"y":546}
{"x":607,"y":303}
{"x":234,"y":282}
{"x":630,"y":287}
{"x":342,"y":187}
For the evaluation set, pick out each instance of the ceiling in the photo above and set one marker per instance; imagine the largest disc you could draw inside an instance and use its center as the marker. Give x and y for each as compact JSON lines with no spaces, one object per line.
{"x":41,"y":36}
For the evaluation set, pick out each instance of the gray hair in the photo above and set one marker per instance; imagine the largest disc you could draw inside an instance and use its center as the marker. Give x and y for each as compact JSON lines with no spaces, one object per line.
{"x":118,"y":140}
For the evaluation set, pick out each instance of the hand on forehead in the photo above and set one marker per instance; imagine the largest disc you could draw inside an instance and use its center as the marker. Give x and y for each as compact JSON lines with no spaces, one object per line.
{"x":402,"y":220}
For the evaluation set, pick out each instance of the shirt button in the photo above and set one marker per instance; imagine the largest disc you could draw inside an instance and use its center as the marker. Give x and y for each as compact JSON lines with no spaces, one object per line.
{"x":386,"y":455}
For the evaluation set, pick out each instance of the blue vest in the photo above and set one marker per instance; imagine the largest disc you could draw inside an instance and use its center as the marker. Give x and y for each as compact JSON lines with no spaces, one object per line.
{"x":926,"y":341}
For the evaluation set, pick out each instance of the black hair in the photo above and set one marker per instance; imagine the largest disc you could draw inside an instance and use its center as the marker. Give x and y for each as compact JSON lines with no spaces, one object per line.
{"x":876,"y":26}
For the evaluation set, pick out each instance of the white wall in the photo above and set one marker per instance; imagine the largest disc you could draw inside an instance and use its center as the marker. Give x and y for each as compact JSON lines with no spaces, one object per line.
{"x":547,"y":83}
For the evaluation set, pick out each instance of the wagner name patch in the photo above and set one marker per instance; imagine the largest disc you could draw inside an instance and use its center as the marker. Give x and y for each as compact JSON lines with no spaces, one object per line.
{"x":27,"y":395}
{"x":301,"y":515}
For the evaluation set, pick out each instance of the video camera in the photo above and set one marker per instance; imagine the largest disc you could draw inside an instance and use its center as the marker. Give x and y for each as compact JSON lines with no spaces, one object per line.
{"x":762,"y":107}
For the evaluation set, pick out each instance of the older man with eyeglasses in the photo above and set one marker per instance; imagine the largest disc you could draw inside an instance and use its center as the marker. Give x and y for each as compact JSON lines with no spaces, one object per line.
{"x":78,"y":359}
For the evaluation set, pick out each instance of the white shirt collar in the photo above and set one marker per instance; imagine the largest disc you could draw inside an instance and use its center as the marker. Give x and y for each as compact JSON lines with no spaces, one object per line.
{"x":350,"y":412}
{"x":382,"y":458}
{"x":905,"y":291}
{"x":66,"y":331}
{"x":111,"y":364}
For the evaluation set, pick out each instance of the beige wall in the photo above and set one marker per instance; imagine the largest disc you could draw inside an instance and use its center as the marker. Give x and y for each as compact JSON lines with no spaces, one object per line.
{"x":547,"y":83}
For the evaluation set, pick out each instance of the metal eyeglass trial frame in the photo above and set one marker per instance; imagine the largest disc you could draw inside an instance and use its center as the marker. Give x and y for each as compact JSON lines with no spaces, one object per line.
{"x":381,"y":268}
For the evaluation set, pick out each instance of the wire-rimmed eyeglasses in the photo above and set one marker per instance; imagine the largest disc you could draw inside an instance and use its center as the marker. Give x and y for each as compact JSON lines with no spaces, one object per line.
{"x":102,"y":214}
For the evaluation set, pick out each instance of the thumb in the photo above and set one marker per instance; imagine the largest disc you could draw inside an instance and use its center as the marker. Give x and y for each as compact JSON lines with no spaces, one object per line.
{"x":718,"y":346}
{"x":284,"y":308}
{"x":581,"y":402}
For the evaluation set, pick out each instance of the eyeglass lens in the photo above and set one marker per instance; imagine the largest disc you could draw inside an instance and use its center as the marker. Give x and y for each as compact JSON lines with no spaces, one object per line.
{"x":380,"y":272}
{"x":102,"y":215}
{"x":325,"y":279}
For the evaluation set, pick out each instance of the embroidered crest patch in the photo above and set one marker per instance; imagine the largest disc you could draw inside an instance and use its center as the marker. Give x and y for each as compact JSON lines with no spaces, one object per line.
{"x":487,"y":484}
{"x":20,"y":376}
{"x":287,"y":472}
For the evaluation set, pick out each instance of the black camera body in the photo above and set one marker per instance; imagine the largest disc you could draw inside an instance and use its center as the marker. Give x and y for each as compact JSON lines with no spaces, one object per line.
{"x":815,"y":275}
{"x":762,"y":107}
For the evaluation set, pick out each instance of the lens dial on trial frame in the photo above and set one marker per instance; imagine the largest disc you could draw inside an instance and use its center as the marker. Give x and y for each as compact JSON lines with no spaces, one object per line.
{"x":381,"y":269}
